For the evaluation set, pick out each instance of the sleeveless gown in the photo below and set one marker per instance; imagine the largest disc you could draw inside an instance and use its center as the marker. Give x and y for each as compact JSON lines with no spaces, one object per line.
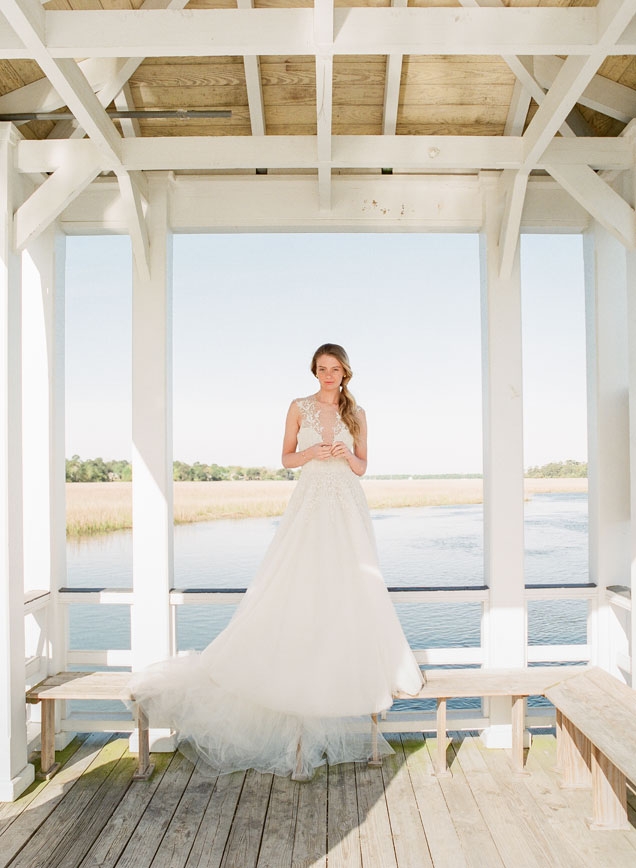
{"x":314,"y":647}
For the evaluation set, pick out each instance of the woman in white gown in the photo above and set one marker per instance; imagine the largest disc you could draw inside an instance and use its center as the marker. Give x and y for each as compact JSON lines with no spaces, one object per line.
{"x":315,"y":646}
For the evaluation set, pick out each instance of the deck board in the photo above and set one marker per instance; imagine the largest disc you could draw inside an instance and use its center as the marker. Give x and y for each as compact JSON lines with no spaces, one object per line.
{"x":93,"y":815}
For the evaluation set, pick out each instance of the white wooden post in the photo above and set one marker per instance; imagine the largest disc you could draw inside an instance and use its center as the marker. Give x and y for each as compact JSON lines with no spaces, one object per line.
{"x":15,"y":772}
{"x":631,"y":338}
{"x":43,"y":277}
{"x":504,"y":617}
{"x":608,"y":427}
{"x":152,"y":442}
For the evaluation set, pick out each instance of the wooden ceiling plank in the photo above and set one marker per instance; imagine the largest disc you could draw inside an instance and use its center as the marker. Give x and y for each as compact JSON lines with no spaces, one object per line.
{"x":602,"y":94}
{"x":599,"y":199}
{"x":289,"y":31}
{"x":49,"y":200}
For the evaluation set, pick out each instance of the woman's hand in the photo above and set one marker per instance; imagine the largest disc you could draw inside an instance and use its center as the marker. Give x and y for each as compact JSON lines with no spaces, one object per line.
{"x":339,"y":450}
{"x":319,"y":451}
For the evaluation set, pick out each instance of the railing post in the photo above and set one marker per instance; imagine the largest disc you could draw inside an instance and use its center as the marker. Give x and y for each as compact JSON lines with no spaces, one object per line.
{"x":15,"y":772}
{"x":608,"y":427}
{"x":504,"y":615}
{"x":152,"y":445}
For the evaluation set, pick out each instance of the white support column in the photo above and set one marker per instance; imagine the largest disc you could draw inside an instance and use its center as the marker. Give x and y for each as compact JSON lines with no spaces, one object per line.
{"x":608,"y":427}
{"x":504,"y":619}
{"x":152,"y":441}
{"x":15,"y":772}
{"x":43,"y":265}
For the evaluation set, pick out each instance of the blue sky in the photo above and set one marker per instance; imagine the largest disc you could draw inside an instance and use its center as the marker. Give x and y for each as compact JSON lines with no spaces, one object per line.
{"x":249,"y":311}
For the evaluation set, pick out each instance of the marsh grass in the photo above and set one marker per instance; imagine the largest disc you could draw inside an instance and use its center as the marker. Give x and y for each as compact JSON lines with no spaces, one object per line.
{"x":99,"y":507}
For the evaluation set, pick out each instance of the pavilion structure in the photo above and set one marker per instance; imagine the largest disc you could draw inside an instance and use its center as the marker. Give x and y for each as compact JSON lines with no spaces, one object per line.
{"x":496,"y":117}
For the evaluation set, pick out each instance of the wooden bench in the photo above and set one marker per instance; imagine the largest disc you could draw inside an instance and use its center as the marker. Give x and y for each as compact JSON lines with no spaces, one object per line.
{"x":445,"y":684}
{"x":596,"y":741}
{"x":85,"y":685}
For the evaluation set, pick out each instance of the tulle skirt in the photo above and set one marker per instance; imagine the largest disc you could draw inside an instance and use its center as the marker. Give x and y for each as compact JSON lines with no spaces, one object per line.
{"x":312,"y":651}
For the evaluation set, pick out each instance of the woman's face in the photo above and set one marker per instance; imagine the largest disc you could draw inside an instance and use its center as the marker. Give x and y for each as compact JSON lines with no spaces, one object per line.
{"x":329,"y":372}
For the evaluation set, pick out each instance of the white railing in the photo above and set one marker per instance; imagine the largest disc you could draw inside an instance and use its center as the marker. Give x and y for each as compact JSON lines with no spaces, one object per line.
{"x":466,"y":718}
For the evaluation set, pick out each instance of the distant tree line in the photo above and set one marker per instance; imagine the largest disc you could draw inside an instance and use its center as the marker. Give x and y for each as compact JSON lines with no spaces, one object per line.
{"x":559,"y":469}
{"x":98,"y":470}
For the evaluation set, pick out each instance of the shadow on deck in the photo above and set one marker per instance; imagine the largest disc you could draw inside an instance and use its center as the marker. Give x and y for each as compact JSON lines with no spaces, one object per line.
{"x":93,"y":815}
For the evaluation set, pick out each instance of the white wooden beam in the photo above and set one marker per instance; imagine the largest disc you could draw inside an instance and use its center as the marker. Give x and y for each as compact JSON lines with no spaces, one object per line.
{"x":575,"y":75}
{"x":324,"y":34}
{"x":251,"y":63}
{"x":124,"y":102}
{"x":424,"y":153}
{"x":600,"y":200}
{"x":136,"y":220}
{"x":27,"y":19}
{"x":518,"y":111}
{"x":358,"y":30}
{"x":51,"y":198}
{"x":392,"y":81}
{"x":517,"y":185}
{"x":602,"y":94}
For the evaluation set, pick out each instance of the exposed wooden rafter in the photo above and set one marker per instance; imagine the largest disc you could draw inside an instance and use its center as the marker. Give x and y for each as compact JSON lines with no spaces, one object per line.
{"x":393,"y":79}
{"x":26,"y":18}
{"x":324,"y":35}
{"x":254,"y":84}
{"x":290,"y":31}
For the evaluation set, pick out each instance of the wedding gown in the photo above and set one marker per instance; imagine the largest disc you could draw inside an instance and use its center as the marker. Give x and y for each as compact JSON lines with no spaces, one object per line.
{"x":313,"y":649}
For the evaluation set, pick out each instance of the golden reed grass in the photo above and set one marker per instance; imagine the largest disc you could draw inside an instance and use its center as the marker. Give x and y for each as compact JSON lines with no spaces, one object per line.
{"x":99,"y":507}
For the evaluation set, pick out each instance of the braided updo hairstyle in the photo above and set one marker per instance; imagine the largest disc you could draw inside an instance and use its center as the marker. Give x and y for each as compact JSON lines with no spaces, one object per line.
{"x":346,"y":403}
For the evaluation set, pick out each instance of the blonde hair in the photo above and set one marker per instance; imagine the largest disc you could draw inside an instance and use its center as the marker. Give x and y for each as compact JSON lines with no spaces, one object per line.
{"x":347,"y":406}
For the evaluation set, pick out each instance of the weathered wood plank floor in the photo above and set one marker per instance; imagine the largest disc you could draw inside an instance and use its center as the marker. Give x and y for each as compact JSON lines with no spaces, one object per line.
{"x":92,"y":814}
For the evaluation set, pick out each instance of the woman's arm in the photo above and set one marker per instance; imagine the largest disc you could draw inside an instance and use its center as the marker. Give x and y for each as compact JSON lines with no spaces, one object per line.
{"x":358,"y":458}
{"x":290,"y":457}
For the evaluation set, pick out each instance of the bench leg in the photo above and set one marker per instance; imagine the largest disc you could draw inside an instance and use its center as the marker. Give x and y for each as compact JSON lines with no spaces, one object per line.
{"x":609,"y":792}
{"x":144,"y":767}
{"x":375,"y":756}
{"x":518,"y":729}
{"x":574,"y":757}
{"x":48,"y":766}
{"x":440,"y":754}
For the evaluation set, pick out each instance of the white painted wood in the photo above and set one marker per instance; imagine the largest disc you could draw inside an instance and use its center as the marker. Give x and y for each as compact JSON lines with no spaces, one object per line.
{"x":511,"y":221}
{"x":602,"y":94}
{"x":324,"y":34}
{"x":134,"y":206}
{"x":49,"y":200}
{"x":28,"y":20}
{"x":518,"y":111}
{"x":431,"y":203}
{"x":608,"y":426}
{"x":15,"y":772}
{"x":597,"y":197}
{"x":630,"y":274}
{"x":392,"y":81}
{"x":152,"y":440}
{"x":217,"y":32}
{"x":124,"y":101}
{"x":254,"y":85}
{"x":504,"y":618}
{"x":431,"y":153}
{"x":575,"y":75}
{"x":44,"y":476}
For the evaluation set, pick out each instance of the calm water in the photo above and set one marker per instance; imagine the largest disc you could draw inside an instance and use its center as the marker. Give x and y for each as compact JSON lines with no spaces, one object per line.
{"x":418,"y":547}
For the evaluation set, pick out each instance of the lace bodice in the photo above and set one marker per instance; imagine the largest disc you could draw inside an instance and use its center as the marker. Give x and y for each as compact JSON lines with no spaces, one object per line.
{"x":320,"y":423}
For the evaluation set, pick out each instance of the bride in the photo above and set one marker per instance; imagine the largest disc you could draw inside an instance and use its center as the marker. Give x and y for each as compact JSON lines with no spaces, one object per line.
{"x":315,"y":646}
